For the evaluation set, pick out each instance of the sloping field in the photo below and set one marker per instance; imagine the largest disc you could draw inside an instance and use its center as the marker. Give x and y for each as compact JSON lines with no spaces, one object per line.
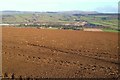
{"x":39,"y":53}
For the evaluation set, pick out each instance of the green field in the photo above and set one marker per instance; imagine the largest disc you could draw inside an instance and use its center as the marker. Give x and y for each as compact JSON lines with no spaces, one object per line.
{"x":110,"y":30}
{"x":102,"y":20}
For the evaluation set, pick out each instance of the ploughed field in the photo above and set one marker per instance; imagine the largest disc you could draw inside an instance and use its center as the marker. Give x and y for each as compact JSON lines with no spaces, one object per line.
{"x":44,"y":53}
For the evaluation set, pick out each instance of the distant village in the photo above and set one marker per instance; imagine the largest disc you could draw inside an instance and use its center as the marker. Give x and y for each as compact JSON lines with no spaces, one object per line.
{"x":79,"y":25}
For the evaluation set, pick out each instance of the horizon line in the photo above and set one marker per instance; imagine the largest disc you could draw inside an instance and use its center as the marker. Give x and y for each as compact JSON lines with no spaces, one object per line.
{"x":58,"y":11}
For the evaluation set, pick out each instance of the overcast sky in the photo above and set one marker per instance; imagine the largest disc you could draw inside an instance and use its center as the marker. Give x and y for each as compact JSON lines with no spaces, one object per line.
{"x":60,"y":5}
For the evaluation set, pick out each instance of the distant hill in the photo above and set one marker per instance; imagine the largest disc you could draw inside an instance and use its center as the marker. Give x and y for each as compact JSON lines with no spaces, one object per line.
{"x":31,"y":17}
{"x":63,"y":12}
{"x":80,"y":12}
{"x":9,"y":12}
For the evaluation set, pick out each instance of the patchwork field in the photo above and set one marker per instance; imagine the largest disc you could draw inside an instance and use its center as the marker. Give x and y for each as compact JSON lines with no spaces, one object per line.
{"x":44,"y":53}
{"x":89,"y":29}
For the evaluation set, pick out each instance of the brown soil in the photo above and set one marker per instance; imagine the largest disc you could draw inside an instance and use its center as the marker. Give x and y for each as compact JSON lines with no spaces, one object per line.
{"x":31,"y":52}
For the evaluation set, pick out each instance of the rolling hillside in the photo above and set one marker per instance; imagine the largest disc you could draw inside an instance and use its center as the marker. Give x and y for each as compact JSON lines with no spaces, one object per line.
{"x":94,"y":19}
